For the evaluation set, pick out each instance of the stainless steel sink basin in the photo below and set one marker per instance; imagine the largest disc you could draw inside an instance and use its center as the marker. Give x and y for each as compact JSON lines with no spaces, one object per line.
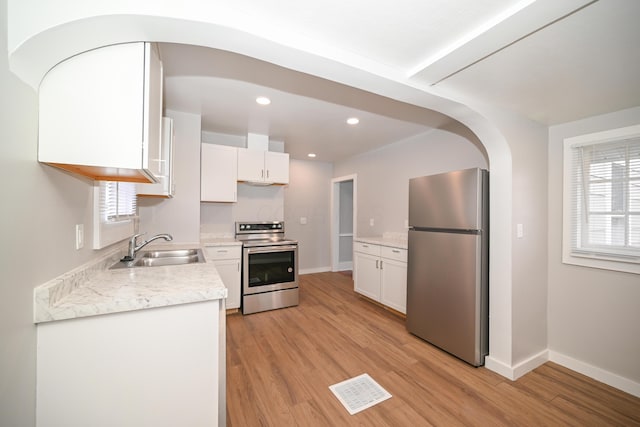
{"x":173,"y":253}
{"x":162,"y":258}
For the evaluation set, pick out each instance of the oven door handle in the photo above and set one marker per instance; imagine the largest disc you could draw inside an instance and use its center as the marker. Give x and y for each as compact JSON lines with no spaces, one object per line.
{"x":278,"y":248}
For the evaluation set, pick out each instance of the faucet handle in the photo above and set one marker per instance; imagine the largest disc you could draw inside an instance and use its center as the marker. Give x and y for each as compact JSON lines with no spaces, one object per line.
{"x":135,"y":237}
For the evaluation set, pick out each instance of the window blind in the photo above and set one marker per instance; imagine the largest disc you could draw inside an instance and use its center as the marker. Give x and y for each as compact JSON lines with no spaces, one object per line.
{"x":117,"y":201}
{"x":605,"y":199}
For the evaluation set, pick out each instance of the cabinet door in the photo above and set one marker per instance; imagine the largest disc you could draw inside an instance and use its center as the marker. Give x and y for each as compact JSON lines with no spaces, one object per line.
{"x":164,"y":168}
{"x":251,"y":165}
{"x":152,"y":119}
{"x":100,"y":110}
{"x":394,"y":284}
{"x":218,"y":172}
{"x":229,"y":270}
{"x":367,"y":275}
{"x":276,"y":167}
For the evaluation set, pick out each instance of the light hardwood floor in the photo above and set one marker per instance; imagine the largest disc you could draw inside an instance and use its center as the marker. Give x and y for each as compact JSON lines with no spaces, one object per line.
{"x":281,"y":363}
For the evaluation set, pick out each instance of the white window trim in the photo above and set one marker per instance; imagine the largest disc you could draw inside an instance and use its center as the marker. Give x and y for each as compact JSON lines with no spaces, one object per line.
{"x":106,"y":233}
{"x":590,"y":259}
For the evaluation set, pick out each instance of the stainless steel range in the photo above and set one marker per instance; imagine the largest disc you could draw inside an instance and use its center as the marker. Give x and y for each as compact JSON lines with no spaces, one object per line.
{"x":269,"y":266}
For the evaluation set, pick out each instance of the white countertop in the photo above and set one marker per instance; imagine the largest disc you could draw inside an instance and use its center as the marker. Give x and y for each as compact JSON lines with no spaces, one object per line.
{"x":214,"y":240}
{"x":93,"y":289}
{"x":391,"y":240}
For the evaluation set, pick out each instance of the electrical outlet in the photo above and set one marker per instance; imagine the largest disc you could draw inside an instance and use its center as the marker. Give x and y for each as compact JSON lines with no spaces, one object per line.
{"x":79,"y":236}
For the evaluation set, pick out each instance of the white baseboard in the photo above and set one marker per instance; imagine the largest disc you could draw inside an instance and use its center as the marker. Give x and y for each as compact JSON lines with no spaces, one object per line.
{"x":498,"y":367}
{"x":344,"y":266}
{"x":530,"y":364}
{"x":599,"y":374}
{"x":314,"y":270}
{"x":515,"y":372}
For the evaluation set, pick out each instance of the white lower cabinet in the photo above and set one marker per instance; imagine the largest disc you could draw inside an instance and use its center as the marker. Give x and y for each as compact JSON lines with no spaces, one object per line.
{"x":380,"y":273}
{"x":161,"y":367}
{"x":227,"y":260}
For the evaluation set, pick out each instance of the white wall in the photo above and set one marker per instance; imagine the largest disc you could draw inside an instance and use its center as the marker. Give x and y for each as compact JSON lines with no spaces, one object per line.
{"x":255,"y":203}
{"x":594,"y":315}
{"x":528,"y":144}
{"x":40,"y":207}
{"x":180,"y":215}
{"x":383,"y":176}
{"x":308,"y":196}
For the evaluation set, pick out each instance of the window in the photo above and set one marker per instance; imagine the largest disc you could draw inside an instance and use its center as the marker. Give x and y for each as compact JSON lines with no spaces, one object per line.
{"x":115,"y":212}
{"x":602,"y":200}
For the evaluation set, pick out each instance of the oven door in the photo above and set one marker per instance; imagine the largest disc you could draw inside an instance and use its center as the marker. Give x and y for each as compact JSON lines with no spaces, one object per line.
{"x":269,"y":268}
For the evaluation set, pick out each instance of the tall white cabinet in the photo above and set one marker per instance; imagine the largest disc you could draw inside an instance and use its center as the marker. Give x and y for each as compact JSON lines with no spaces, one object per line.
{"x":380,"y":273}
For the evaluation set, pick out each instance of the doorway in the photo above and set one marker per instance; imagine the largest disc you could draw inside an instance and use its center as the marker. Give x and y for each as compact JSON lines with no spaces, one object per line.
{"x":343,"y":221}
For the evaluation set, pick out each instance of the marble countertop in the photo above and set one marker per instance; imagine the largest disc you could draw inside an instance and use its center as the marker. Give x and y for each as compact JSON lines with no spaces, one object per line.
{"x":93,"y":289}
{"x":392,"y":240}
{"x":215,"y":240}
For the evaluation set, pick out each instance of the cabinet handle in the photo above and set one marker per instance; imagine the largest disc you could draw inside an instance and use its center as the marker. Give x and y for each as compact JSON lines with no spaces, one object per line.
{"x":267,"y":173}
{"x":224,"y":251}
{"x":238,"y":267}
{"x":262,"y":173}
{"x":380,"y":264}
{"x":395,"y":251}
{"x":365,"y":246}
{"x":376,"y":263}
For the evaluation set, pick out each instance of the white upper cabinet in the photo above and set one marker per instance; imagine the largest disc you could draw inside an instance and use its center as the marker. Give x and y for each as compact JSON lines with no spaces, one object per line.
{"x":218,"y":173}
{"x":266,"y":167}
{"x":101,"y":111}
{"x":166,"y":185}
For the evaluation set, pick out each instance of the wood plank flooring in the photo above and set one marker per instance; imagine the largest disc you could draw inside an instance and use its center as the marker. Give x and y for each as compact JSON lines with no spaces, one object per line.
{"x":281,"y":363}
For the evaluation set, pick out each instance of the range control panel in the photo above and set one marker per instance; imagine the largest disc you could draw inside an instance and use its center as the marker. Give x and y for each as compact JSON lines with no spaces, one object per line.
{"x":259,"y":227}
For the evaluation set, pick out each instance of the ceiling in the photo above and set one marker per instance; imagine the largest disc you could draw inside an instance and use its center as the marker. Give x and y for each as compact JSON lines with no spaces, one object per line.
{"x":549,"y":61}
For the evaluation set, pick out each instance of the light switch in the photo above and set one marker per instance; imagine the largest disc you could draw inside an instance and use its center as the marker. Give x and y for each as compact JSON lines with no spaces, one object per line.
{"x":519,"y":231}
{"x":371,"y":222}
{"x":303,"y":220}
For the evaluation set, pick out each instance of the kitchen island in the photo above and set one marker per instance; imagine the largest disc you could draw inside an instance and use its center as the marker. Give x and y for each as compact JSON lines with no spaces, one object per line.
{"x":131,"y":347}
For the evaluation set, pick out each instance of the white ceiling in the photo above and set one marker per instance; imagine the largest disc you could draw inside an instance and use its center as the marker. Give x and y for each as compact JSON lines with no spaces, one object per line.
{"x":549,"y":61}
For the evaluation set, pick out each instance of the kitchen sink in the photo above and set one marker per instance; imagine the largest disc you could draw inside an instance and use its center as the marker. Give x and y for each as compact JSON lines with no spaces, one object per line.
{"x":159,"y":258}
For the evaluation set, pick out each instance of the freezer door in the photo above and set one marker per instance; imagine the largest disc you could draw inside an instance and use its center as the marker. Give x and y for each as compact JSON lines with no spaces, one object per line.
{"x":452,"y":200}
{"x":447,"y":293}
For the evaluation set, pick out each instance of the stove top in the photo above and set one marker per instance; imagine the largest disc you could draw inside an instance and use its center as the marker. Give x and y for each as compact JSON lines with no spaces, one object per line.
{"x":262,"y":233}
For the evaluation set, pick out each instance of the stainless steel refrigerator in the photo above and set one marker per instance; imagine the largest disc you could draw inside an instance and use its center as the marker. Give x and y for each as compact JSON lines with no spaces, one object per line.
{"x":448,"y":270}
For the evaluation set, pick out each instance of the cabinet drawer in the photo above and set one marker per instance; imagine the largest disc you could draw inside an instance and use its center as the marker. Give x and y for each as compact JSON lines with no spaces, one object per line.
{"x":394,"y":253}
{"x":223,"y":252}
{"x":366,"y":248}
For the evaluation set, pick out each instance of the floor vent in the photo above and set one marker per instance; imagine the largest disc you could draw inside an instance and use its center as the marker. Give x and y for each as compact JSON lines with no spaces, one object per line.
{"x":359,"y":393}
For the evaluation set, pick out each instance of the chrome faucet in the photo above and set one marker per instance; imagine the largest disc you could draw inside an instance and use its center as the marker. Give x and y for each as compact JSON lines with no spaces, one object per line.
{"x":133,"y":248}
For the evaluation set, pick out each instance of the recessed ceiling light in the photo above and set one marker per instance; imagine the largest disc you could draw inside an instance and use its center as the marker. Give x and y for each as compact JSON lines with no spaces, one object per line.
{"x":353,"y":120}
{"x":263,"y":100}
{"x":311,"y":155}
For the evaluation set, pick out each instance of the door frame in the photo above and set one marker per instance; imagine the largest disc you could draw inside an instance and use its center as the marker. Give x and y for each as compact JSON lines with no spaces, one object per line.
{"x":335,"y":216}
